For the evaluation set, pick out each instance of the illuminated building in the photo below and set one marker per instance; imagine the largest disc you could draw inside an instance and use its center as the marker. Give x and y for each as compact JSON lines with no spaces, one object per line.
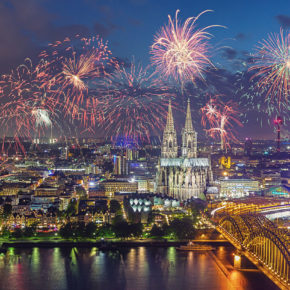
{"x":9,"y":189}
{"x":282,"y":191}
{"x":186,"y":176}
{"x":42,"y":202}
{"x":112,"y":186}
{"x":120,"y":165}
{"x":225,"y":162}
{"x":271,"y":178}
{"x":143,"y":185}
{"x":47,"y":191}
{"x":132,"y":154}
{"x":238,"y":187}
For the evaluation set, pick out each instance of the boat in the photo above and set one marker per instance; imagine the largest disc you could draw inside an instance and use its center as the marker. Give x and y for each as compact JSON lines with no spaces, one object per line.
{"x":195,"y":247}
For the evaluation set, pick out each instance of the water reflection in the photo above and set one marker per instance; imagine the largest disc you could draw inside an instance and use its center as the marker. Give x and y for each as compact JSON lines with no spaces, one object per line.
{"x":127,"y":268}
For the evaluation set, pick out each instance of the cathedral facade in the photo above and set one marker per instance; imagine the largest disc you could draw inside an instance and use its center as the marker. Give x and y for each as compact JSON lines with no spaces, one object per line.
{"x":182,"y":176}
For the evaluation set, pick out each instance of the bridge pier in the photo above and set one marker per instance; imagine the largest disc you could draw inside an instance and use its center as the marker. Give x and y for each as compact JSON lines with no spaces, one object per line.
{"x":240,"y":261}
{"x":237,"y":260}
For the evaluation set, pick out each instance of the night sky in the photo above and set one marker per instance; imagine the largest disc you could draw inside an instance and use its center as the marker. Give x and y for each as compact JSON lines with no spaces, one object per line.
{"x":27,"y":26}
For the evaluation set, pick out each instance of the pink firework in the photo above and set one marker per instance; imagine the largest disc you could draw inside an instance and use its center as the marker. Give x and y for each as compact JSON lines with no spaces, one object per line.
{"x":272,"y":65}
{"x":180,"y":50}
{"x":76,"y":65}
{"x":25,"y":79}
{"x":25,"y":108}
{"x":220,"y":118}
{"x":133,"y":103}
{"x":209,"y":113}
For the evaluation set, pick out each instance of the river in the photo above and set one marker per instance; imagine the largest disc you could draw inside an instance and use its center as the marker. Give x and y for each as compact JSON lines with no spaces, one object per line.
{"x":128,"y":268}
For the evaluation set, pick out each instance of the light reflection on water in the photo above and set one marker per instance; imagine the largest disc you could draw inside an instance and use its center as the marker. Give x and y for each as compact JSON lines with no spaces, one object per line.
{"x":128,"y":268}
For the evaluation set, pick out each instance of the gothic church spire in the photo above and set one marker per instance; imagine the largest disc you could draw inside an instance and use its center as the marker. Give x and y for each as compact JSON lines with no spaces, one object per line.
{"x":169,"y":148}
{"x":189,"y":138}
{"x":188,"y":121}
{"x":169,"y":122}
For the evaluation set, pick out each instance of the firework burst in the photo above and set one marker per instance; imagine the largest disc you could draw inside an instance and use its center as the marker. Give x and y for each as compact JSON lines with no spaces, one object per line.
{"x":76,"y":65}
{"x":181,"y":50}
{"x":133,"y":103}
{"x":26,"y":79}
{"x":26,"y":109}
{"x":272,"y":65}
{"x":256,"y":104}
{"x":220,"y":118}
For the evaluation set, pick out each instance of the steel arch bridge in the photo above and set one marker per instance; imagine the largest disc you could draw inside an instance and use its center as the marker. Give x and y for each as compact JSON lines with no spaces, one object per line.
{"x":261,"y":242}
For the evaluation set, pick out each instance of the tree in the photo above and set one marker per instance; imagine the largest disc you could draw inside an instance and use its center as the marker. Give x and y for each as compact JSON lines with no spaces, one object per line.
{"x":66,"y":231}
{"x":105,"y":231}
{"x":72,"y":207}
{"x":122,"y":230}
{"x":182,"y":228}
{"x":5,"y":232}
{"x":90,"y":230}
{"x":115,"y":206}
{"x":81,"y":192}
{"x":108,"y":166}
{"x":156,"y":231}
{"x":117,"y":219}
{"x":79,"y":229}
{"x":196,"y":207}
{"x":29,"y":231}
{"x":17,"y":233}
{"x":136,"y":229}
{"x":7,"y":210}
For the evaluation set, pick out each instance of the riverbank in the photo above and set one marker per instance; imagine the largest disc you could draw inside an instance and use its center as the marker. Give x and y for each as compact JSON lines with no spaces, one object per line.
{"x":88,"y":244}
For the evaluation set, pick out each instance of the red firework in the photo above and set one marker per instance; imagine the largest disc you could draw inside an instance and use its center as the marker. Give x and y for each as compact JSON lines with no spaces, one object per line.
{"x":25,"y":108}
{"x":76,"y":64}
{"x":133,"y":103}
{"x":220,"y":118}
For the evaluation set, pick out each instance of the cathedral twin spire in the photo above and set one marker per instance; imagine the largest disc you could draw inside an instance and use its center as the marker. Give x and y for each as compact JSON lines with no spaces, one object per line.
{"x":169,"y":122}
{"x":169,"y":145}
{"x":188,"y":122}
{"x":189,"y":136}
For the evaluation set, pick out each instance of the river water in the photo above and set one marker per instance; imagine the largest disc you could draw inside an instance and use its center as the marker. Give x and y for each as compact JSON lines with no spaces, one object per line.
{"x":128,"y":268}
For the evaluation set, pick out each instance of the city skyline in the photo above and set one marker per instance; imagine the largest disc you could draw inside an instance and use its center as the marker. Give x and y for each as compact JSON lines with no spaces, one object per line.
{"x":144,"y":144}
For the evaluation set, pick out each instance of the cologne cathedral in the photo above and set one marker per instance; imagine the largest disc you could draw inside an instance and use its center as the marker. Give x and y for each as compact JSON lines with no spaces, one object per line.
{"x":184,"y":176}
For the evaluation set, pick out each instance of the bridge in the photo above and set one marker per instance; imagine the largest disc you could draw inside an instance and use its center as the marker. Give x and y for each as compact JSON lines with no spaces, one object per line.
{"x":258,"y":239}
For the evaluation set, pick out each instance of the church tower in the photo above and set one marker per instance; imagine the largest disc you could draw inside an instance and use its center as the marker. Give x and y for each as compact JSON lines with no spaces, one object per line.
{"x":169,"y":147}
{"x":189,"y":136}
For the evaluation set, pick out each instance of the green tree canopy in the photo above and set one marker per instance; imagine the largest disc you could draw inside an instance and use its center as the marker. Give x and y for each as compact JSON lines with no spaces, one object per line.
{"x":17,"y":233}
{"x":115,"y":206}
{"x":7,"y":210}
{"x":136,"y":229}
{"x":156,"y":231}
{"x":182,"y":228}
{"x":72,"y":207}
{"x":105,"y":231}
{"x":122,"y":230}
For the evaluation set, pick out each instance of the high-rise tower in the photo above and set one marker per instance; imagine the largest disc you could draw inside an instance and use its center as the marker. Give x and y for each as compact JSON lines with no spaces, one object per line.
{"x":189,"y":136}
{"x":169,"y":147}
